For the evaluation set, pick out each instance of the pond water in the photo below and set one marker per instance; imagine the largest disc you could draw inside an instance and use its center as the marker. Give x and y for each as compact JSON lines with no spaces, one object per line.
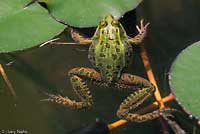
{"x":36,"y":71}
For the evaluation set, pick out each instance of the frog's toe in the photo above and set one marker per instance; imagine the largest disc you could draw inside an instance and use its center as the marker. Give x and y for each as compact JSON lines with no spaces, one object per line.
{"x":57,"y":99}
{"x":142,"y":28}
{"x":65,"y":101}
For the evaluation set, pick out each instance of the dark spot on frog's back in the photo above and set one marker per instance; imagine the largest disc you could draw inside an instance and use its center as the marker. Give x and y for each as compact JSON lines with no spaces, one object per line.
{"x":102,"y":55}
{"x":114,"y":56}
{"x":108,"y":66}
{"x":107,"y":73}
{"x":117,"y":42}
{"x":117,"y":50}
{"x":107,"y":45}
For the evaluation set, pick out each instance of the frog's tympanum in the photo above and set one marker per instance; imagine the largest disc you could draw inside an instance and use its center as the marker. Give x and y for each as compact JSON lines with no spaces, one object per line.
{"x":110,"y":52}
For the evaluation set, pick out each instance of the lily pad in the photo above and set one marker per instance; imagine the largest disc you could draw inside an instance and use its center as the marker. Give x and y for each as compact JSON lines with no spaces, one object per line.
{"x":24,"y":27}
{"x":87,"y":13}
{"x":185,"y":80}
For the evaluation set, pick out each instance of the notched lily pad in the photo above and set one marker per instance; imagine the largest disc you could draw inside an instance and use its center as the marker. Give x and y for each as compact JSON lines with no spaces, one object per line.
{"x":87,"y":13}
{"x":185,"y":79}
{"x":24,"y":27}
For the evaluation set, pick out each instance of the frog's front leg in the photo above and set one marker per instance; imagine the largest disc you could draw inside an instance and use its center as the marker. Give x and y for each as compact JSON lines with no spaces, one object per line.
{"x":138,"y":97}
{"x":142,"y":33}
{"x":78,"y":78}
{"x":79,"y":38}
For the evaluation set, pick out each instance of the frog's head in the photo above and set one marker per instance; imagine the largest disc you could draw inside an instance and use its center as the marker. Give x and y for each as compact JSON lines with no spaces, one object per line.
{"x":109,"y":19}
{"x":109,"y":27}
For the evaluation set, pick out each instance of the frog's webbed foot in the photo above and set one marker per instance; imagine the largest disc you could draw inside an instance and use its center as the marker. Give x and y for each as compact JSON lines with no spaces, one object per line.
{"x":77,"y":77}
{"x":65,"y":101}
{"x":142,"y":33}
{"x":79,"y":38}
{"x":137,"y":98}
{"x":133,"y":101}
{"x":143,"y":28}
{"x":82,"y":91}
{"x":136,"y":117}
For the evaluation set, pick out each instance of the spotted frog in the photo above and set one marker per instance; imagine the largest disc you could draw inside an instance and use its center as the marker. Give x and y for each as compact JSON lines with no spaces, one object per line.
{"x":110,"y":52}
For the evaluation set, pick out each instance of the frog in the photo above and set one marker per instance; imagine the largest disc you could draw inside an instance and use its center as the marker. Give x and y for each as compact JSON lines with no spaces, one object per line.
{"x":110,"y":52}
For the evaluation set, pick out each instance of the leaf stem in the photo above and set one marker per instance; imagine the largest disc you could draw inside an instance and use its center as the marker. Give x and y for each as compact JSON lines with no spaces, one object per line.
{"x":2,"y":72}
{"x":150,"y":75}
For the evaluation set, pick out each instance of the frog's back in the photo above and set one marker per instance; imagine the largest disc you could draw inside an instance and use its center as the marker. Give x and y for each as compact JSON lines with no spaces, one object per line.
{"x":110,"y":57}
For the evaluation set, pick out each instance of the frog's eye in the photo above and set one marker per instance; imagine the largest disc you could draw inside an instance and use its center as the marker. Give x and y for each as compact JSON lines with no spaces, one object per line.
{"x":114,"y":22}
{"x":103,"y":23}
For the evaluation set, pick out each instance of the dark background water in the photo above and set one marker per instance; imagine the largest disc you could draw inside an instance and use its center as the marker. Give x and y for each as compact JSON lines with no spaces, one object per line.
{"x":174,"y":25}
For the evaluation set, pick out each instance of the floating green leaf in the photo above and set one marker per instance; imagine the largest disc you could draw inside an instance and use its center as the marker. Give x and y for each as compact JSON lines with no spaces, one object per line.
{"x":185,"y":79}
{"x":87,"y":13}
{"x":24,"y":27}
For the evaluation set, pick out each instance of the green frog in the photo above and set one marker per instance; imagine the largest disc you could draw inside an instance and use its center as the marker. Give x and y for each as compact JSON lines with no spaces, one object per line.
{"x":110,"y":52}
